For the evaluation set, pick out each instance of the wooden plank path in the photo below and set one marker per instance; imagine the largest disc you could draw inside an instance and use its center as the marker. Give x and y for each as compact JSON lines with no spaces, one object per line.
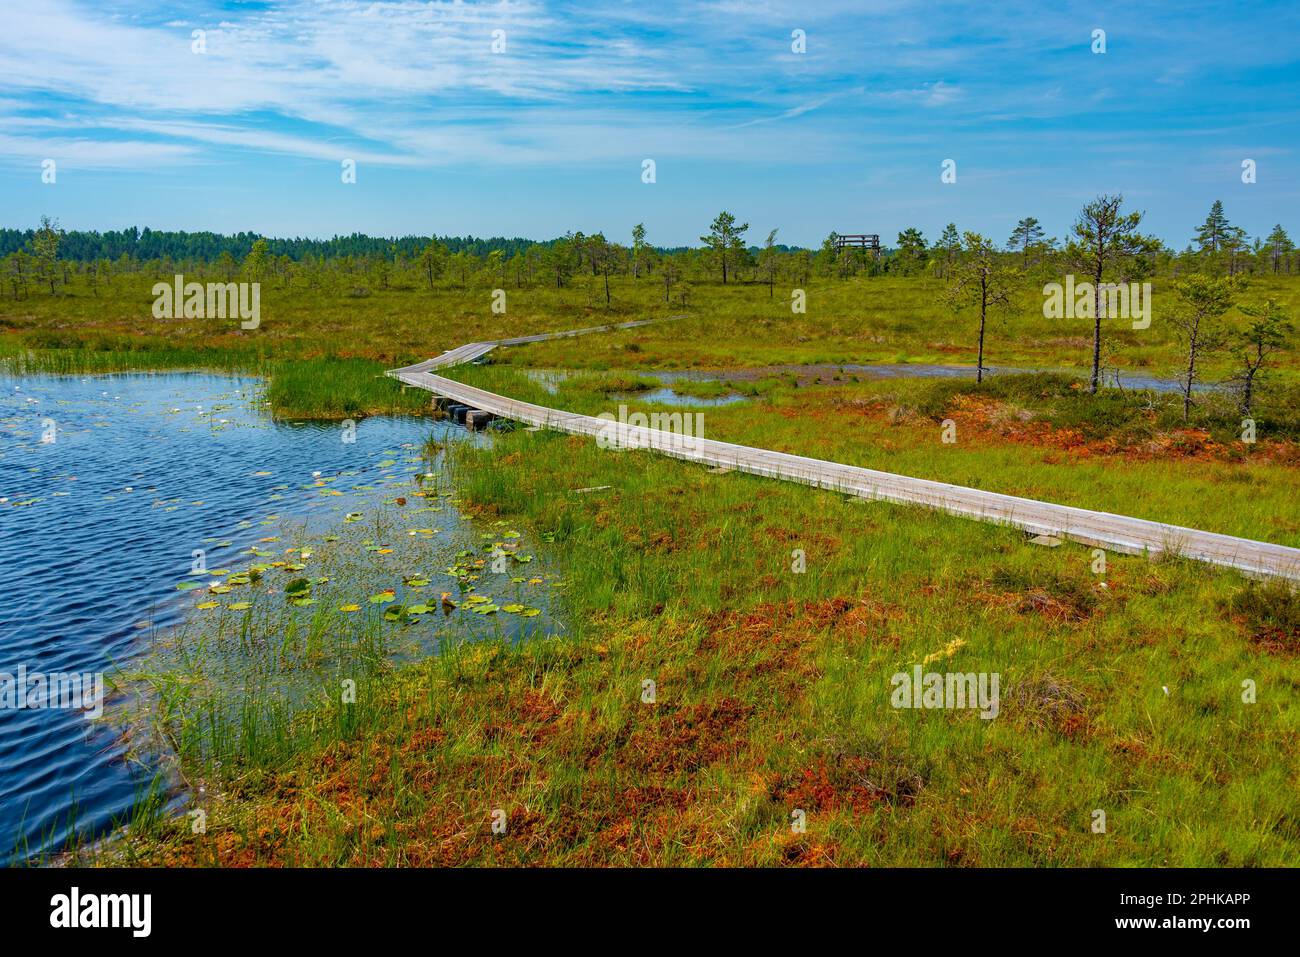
{"x":1099,"y":529}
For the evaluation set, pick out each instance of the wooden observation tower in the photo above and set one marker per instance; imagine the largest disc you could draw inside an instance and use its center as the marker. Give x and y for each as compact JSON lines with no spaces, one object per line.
{"x":869,"y":241}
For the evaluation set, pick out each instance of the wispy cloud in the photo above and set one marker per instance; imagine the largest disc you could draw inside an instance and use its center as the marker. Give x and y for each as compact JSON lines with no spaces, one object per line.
{"x":892,"y":86}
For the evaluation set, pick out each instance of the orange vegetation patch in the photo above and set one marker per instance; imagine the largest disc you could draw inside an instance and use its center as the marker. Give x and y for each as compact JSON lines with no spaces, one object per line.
{"x":988,"y":417}
{"x":798,"y":851}
{"x":670,"y":738}
{"x":985,"y":417}
{"x":843,"y":784}
{"x":785,"y":624}
{"x":1041,"y":603}
{"x":1276,"y":640}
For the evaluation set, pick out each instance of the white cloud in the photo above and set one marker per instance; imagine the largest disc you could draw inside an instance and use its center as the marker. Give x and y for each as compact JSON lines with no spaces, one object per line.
{"x":83,"y":153}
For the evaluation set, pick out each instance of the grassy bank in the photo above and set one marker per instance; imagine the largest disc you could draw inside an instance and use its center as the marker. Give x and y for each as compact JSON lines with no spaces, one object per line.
{"x":1120,"y":692}
{"x":316,"y":388}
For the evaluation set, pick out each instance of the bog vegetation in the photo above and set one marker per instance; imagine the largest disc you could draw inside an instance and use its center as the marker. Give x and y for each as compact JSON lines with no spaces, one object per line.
{"x":1123,"y":690}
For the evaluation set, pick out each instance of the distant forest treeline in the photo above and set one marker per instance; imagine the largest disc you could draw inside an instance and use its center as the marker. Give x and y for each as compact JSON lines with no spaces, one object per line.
{"x":148,"y":244}
{"x":1103,"y":244}
{"x":151,"y":244}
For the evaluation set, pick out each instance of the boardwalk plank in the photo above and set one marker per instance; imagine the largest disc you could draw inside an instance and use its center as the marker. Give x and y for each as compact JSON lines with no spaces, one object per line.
{"x":1099,"y":529}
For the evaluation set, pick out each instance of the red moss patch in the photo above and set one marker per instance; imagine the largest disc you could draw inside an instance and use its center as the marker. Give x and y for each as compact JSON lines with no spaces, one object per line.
{"x":668,"y":739}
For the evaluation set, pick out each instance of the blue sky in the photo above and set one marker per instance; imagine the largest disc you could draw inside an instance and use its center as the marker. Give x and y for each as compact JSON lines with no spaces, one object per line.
{"x":450,"y":137}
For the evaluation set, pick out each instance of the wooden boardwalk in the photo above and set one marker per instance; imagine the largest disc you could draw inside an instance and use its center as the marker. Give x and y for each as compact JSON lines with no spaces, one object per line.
{"x":1100,"y":529}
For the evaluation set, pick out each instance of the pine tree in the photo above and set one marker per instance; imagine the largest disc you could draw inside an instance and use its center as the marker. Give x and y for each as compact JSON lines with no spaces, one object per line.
{"x":1279,"y":248}
{"x":255,"y":264}
{"x":911,"y":250}
{"x":1212,"y":233}
{"x":767,"y":261}
{"x":1269,"y":330}
{"x":1026,"y":235}
{"x":725,"y":241}
{"x":45,"y":250}
{"x":981,"y":281}
{"x":1104,"y":239}
{"x":638,"y":249}
{"x":948,"y":247}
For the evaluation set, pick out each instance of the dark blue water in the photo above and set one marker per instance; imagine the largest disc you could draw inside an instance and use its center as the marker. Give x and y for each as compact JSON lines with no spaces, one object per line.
{"x":99,"y":526}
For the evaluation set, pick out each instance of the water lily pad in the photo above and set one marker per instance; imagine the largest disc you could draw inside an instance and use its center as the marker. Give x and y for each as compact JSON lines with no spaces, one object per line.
{"x":186,"y":586}
{"x":383,"y":596}
{"x":349,"y":608}
{"x":205,"y":605}
{"x":240,"y":605}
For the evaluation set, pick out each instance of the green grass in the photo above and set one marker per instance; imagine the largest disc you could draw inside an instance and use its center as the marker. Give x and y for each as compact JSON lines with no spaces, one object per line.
{"x":317,"y":388}
{"x":772,"y":686}
{"x":883,"y":319}
{"x":338,"y":388}
{"x":1110,"y":452}
{"x":609,"y":383}
{"x":701,"y":388}
{"x":773,"y":694}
